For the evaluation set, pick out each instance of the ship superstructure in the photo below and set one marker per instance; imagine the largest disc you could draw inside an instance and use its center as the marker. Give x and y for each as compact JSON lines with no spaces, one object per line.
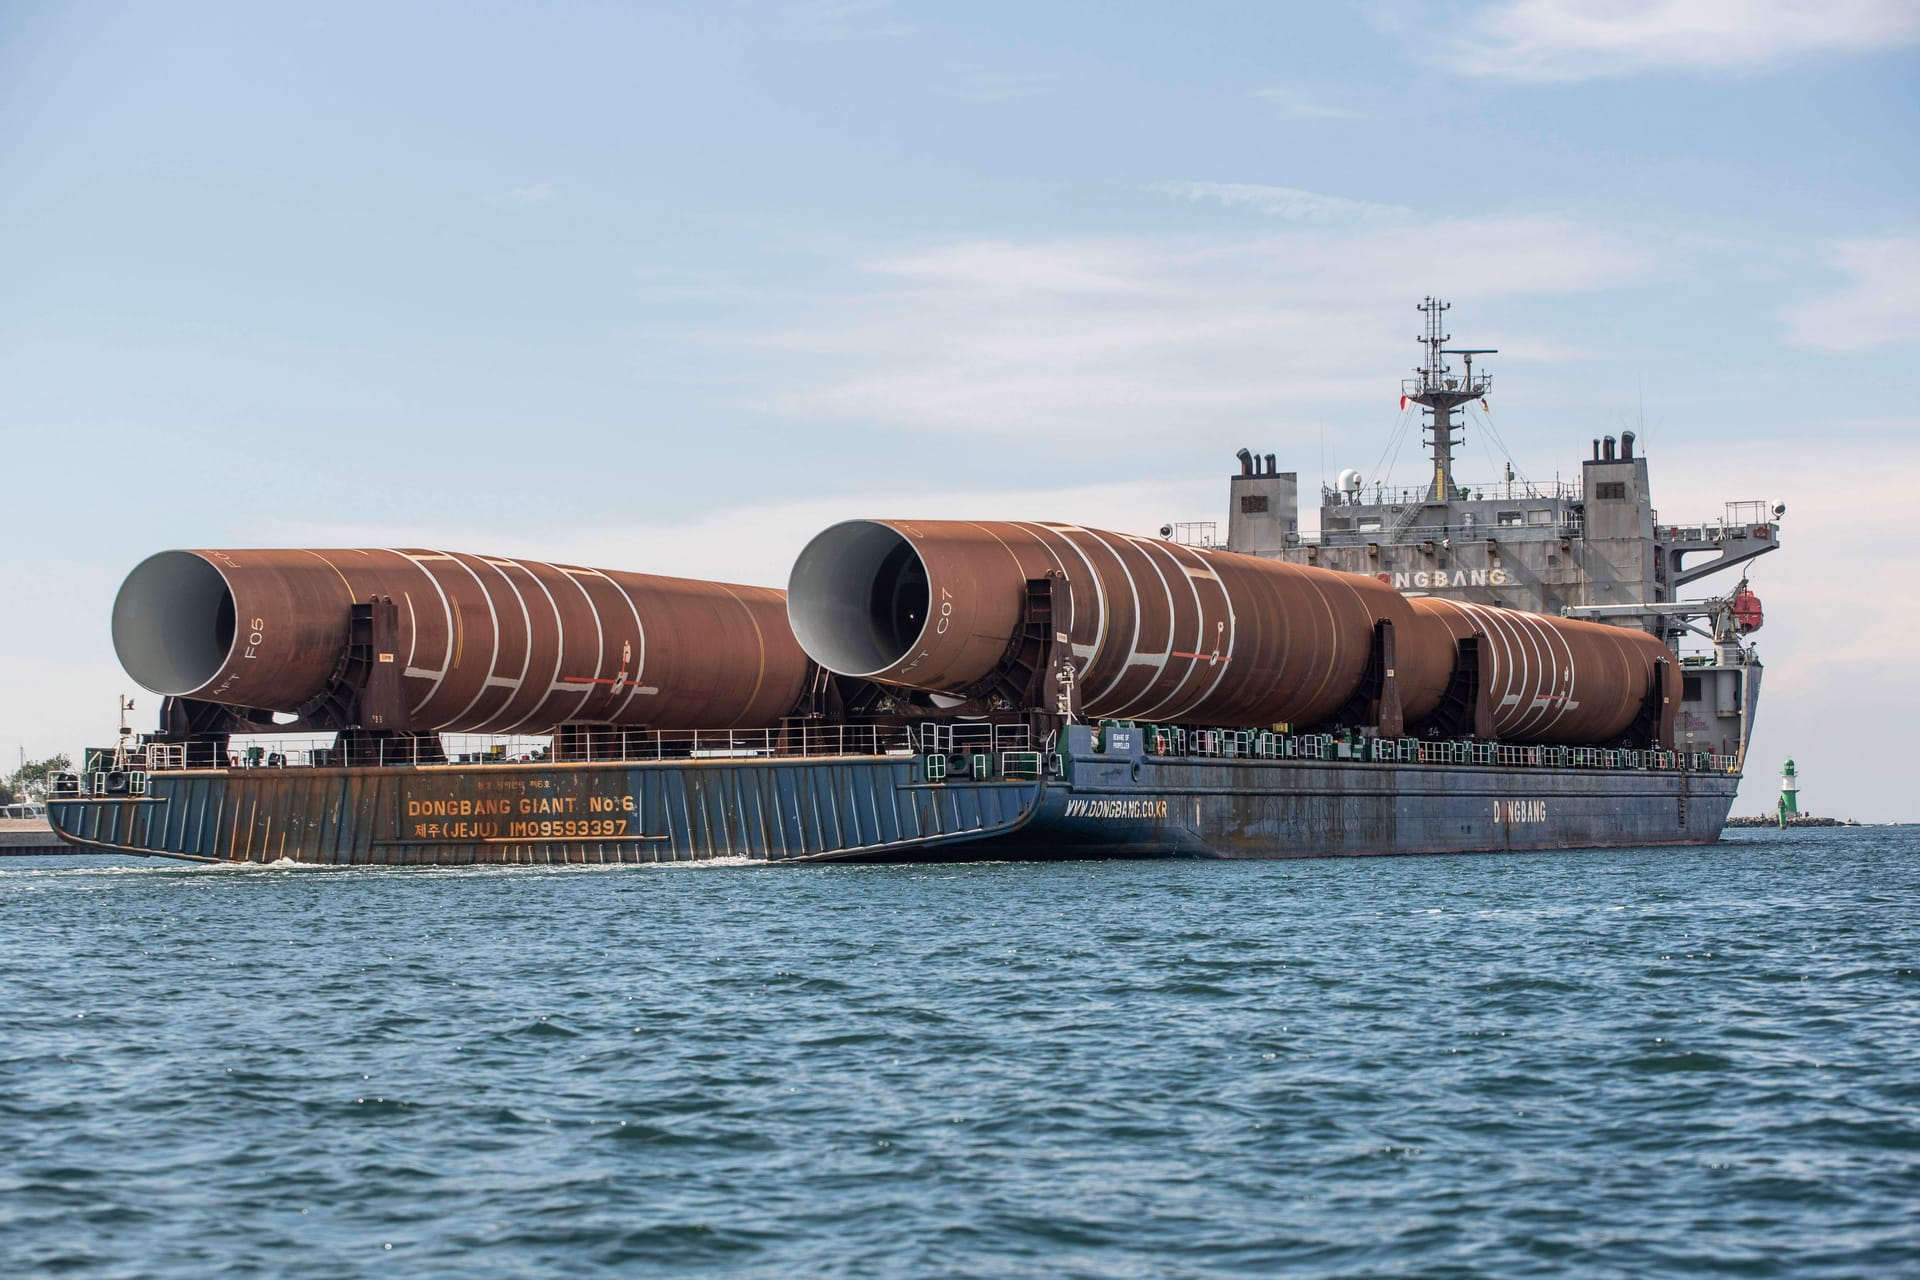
{"x":1592,"y":548}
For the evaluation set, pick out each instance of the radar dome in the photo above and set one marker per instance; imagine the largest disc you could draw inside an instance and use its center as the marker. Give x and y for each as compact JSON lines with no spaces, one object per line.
{"x":1349,"y":481}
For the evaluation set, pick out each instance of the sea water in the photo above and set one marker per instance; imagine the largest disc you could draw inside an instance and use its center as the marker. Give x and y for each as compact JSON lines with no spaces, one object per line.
{"x":1608,"y":1063}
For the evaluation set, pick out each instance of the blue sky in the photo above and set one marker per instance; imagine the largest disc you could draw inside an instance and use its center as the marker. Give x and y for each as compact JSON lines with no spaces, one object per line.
{"x":668,"y":288}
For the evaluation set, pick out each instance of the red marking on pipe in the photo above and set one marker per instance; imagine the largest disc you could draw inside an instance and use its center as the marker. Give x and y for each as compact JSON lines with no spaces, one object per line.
{"x":1200,"y":657}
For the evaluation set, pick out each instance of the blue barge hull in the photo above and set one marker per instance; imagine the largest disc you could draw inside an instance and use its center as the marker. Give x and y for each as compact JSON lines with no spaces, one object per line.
{"x":1092,"y":800}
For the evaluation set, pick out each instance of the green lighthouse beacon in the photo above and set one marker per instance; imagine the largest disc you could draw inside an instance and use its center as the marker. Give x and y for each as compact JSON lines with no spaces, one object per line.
{"x":1789,"y":794}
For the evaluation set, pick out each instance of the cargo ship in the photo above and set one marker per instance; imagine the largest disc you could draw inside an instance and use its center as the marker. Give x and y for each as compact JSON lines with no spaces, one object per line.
{"x":1436,"y":669}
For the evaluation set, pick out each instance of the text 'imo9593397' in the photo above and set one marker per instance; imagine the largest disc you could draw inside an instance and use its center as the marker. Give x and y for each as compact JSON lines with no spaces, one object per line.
{"x":1440,"y":668}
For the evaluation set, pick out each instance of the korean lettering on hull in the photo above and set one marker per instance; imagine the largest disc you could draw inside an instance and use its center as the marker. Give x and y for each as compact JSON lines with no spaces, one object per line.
{"x":545,"y":806}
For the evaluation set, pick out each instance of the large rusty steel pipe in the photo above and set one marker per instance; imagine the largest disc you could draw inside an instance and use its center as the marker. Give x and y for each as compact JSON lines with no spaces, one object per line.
{"x":1557,"y":680}
{"x":486,"y":644}
{"x":1160,"y":631}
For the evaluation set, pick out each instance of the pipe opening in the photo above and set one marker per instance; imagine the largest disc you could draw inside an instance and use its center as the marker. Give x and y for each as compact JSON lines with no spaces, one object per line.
{"x":173,"y":623}
{"x":899,"y":607}
{"x":858,"y":598}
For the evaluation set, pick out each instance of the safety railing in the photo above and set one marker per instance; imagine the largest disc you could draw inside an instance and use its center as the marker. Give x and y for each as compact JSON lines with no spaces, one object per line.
{"x":1391,"y":534}
{"x":957,"y":751}
{"x":1374,"y":495}
{"x":1713,"y":533}
{"x":980,"y":766}
{"x":963,"y":737}
{"x":1250,"y":744}
{"x":595,"y":745}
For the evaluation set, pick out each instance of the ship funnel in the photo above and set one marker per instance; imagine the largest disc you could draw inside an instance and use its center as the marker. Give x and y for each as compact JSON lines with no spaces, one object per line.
{"x":1609,"y":447}
{"x":1626,"y":446}
{"x":1246,"y":461}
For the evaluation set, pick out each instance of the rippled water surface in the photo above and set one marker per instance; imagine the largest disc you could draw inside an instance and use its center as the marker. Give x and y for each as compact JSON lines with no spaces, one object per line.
{"x":1609,"y":1063}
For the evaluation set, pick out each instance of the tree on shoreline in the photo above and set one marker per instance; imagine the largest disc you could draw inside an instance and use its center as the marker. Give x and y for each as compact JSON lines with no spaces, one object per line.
{"x":29,"y":781}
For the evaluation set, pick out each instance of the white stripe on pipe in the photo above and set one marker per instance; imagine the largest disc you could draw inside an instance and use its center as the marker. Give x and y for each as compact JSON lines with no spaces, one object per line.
{"x":1233,"y":625}
{"x":1136,"y":657}
{"x":1549,"y":680}
{"x":599,"y":645}
{"x":1172,"y":552}
{"x":639,"y":659}
{"x":413,"y":629}
{"x":1514,"y":685}
{"x":526,"y":623}
{"x":1543,"y":637}
{"x":446,"y":657}
{"x":559,"y":643}
{"x":1498,"y":655}
{"x":1519,"y":669}
{"x":1199,"y":631}
{"x":1566,"y":699}
{"x":1133,"y":642}
{"x":1521,"y":674}
{"x":493,"y":616}
{"x":1093,"y":575}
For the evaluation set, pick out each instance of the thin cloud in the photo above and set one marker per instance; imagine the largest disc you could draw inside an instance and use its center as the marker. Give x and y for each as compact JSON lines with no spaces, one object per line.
{"x":1089,"y":266}
{"x":1292,"y":102}
{"x":1124,"y":339}
{"x":1879,"y":308}
{"x":1588,"y":39}
{"x":994,"y":84}
{"x":1901,"y":424}
{"x":1288,"y":202}
{"x":526,"y":197}
{"x":837,"y":20}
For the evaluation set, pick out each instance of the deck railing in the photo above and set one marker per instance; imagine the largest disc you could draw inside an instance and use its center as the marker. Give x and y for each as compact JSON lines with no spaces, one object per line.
{"x":947,"y":752}
{"x":595,"y":746}
{"x":1259,"y":744}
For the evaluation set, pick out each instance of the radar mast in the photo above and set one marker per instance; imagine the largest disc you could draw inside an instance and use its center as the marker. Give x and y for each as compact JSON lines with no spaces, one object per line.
{"x":1437,"y":390}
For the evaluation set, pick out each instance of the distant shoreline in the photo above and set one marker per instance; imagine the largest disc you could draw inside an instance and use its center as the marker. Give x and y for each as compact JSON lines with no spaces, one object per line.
{"x":1798,"y":820}
{"x":30,"y":837}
